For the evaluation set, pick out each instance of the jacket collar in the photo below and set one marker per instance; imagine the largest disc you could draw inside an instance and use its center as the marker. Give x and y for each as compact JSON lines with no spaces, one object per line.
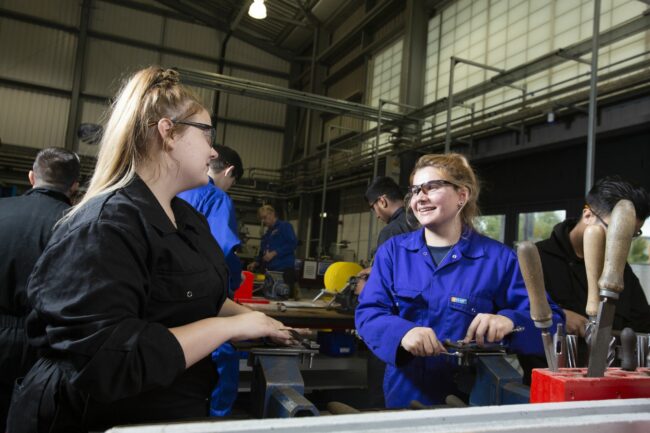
{"x":50,"y":193}
{"x":396,"y":214}
{"x":139,"y":193}
{"x":469,"y":244}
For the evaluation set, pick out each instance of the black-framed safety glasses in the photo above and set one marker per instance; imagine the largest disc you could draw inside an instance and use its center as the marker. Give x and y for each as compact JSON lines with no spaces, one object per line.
{"x":430,"y":186}
{"x":209,"y":131}
{"x":602,"y":221}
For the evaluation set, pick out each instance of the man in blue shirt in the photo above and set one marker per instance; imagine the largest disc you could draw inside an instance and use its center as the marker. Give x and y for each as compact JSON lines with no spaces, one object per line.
{"x":217,"y":207}
{"x":277,"y":248}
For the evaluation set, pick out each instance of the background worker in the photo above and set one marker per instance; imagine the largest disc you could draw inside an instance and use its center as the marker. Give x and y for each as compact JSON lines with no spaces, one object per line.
{"x":26,"y":224}
{"x":218,"y":208}
{"x":387,"y":202}
{"x":277,"y":248}
{"x":563,"y":263}
{"x":443,"y":281}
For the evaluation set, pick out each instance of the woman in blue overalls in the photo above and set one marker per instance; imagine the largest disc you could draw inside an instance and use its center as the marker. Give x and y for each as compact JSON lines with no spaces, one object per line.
{"x":444,"y":281}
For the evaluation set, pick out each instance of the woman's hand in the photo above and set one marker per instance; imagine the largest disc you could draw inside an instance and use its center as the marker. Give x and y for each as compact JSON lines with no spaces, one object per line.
{"x":252,"y":325}
{"x":488,"y":327}
{"x":421,"y":341}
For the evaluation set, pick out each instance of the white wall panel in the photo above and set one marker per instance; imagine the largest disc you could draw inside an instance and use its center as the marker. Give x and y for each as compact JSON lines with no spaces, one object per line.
{"x":257,"y":148}
{"x":36,"y":54}
{"x":125,"y":22}
{"x":241,"y":52}
{"x":32,"y":119}
{"x":60,"y":11}
{"x":517,"y":31}
{"x":107,"y":63}
{"x":193,"y":38}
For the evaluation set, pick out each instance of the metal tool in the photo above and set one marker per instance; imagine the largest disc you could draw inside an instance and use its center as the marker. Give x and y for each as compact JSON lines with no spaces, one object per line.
{"x":466,"y":352}
{"x":572,"y":350}
{"x":594,"y":255}
{"x":629,"y":360}
{"x":642,"y":349}
{"x":617,"y":247}
{"x":611,"y":352}
{"x":559,"y":347}
{"x":540,"y":311}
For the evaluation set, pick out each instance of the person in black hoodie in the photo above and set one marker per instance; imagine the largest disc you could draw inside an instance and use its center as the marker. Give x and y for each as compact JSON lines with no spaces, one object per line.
{"x":563,"y":260}
{"x":564,"y":271}
{"x":26,"y":225}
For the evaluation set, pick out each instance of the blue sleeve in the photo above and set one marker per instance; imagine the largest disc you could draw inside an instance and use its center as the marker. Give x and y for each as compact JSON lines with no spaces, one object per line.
{"x":513,"y":303}
{"x":219,"y":211}
{"x":376,"y":318}
{"x":287,"y":241}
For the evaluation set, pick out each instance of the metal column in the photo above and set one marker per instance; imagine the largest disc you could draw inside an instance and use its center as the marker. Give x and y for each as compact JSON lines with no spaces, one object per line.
{"x":77,"y":80}
{"x":593,"y":93}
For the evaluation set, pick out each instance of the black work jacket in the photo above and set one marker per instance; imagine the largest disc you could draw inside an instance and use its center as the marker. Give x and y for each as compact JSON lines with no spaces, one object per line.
{"x":25,"y":227}
{"x":396,"y":226}
{"x":566,"y":281}
{"x":110,"y":283}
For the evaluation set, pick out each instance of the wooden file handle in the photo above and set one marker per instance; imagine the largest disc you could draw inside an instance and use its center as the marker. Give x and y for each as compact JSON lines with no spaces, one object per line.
{"x":617,"y":246}
{"x":531,"y":270}
{"x":594,"y":251}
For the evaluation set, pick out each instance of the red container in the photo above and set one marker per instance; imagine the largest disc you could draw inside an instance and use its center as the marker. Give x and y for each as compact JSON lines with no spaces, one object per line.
{"x":245,"y":290}
{"x":572,"y":384}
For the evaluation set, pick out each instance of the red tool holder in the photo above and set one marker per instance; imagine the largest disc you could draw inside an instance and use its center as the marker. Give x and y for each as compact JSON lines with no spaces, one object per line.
{"x":572,"y":384}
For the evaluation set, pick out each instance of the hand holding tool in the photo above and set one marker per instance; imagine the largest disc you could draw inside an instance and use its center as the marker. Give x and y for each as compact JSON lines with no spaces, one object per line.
{"x":594,"y":254}
{"x":617,"y":246}
{"x":540,"y":311}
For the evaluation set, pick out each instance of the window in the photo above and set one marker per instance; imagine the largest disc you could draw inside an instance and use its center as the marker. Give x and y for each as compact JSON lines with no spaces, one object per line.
{"x":640,"y":248}
{"x":535,"y":226}
{"x":492,"y":226}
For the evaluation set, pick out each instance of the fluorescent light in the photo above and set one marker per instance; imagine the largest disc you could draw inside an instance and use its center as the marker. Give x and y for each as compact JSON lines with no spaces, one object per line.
{"x":257,"y":10}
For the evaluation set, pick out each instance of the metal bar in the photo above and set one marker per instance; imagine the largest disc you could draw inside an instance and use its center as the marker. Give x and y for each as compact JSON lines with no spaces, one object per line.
{"x":287,"y":96}
{"x":73,"y":111}
{"x":593,"y":92}
{"x":324,"y":193}
{"x":450,"y":104}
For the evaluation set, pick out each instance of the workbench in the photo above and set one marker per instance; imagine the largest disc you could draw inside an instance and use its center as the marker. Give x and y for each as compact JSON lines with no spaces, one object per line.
{"x":305,"y":317}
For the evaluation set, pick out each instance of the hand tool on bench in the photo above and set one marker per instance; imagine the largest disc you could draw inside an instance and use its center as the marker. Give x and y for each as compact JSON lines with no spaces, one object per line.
{"x":617,"y":246}
{"x":594,"y":255}
{"x":531,"y":269}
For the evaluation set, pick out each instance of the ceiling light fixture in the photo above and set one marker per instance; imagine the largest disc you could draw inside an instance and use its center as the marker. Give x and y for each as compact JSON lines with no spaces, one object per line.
{"x":257,"y":10}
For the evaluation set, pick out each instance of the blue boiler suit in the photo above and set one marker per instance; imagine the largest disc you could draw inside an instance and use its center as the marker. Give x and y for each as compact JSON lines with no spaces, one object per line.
{"x":282,"y":239}
{"x":406,"y":290}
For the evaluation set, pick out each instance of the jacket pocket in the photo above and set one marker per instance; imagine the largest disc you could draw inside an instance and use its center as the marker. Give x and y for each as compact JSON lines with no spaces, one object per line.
{"x":411,"y":305}
{"x":182,"y":286}
{"x":471,"y":306}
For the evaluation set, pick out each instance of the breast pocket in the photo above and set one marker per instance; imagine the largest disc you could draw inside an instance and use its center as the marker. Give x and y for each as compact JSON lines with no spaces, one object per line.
{"x":411,"y":305}
{"x":470,"y":306}
{"x":182,"y":286}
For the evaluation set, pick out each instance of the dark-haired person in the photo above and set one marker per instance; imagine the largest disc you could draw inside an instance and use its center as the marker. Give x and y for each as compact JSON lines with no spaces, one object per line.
{"x":216,"y":205}
{"x":26,"y":224}
{"x":563,"y":259}
{"x":129,"y":296}
{"x":386,"y":200}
